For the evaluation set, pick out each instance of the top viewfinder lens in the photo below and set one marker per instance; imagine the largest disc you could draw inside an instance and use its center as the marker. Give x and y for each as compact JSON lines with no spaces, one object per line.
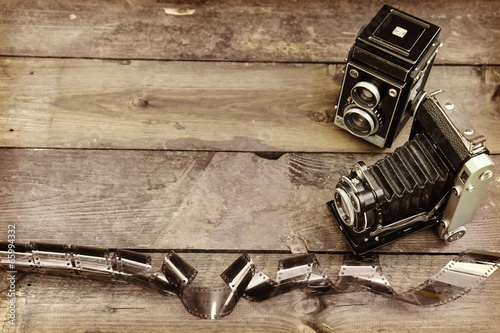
{"x":365,"y":94}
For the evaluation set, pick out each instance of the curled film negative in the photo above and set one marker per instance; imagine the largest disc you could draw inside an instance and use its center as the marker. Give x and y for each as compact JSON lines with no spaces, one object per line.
{"x":242,"y":278}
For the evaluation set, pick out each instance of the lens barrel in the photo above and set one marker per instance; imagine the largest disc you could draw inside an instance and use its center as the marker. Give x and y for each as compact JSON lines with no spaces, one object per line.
{"x":366,"y":94}
{"x":344,"y":207}
{"x":361,"y":122}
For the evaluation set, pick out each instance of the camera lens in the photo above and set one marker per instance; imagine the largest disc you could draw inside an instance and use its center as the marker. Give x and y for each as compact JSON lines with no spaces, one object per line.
{"x":354,"y":202}
{"x":344,"y":206}
{"x":361,"y":122}
{"x":366,"y":94}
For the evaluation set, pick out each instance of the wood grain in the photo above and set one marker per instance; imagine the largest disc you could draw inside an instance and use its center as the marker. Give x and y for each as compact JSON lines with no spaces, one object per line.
{"x":49,"y":304}
{"x":124,"y":125}
{"x":195,"y":200}
{"x":69,"y":103}
{"x":234,"y":30}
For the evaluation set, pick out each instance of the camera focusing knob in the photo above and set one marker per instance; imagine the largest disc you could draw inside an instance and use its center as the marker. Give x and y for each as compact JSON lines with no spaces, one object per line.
{"x":456,"y":190}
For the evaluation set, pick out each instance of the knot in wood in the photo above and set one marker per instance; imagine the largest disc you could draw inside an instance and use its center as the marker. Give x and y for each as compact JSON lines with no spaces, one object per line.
{"x":139,"y":102}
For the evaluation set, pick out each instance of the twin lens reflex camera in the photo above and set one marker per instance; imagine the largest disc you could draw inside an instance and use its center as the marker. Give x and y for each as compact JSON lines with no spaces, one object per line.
{"x":387,"y":66}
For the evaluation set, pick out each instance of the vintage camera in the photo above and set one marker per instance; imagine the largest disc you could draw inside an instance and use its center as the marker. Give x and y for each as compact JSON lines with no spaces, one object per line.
{"x":438,"y":177}
{"x":387,"y":66}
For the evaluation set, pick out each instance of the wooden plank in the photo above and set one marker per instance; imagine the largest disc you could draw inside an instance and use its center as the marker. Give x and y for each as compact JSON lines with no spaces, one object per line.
{"x":195,"y":200}
{"x":49,"y":304}
{"x":68,"y":103}
{"x":319,"y":31}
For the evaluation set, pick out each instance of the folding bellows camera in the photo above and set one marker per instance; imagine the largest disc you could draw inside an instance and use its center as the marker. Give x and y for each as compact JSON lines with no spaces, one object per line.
{"x":438,"y":177}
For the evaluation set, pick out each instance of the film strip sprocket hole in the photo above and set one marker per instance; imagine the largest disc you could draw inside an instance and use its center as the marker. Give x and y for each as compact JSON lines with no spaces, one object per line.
{"x":243,"y":278}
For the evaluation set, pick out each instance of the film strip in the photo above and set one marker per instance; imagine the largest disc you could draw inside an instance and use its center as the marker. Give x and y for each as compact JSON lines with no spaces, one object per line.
{"x":242,"y":277}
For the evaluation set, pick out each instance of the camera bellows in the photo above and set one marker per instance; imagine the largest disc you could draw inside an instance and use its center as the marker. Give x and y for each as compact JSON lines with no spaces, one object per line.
{"x":412,"y":179}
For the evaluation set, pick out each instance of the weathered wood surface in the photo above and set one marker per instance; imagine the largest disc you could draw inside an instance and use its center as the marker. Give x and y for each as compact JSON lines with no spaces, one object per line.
{"x":68,"y":103}
{"x":49,"y":304}
{"x":182,"y":174}
{"x":283,"y":31}
{"x":195,"y":200}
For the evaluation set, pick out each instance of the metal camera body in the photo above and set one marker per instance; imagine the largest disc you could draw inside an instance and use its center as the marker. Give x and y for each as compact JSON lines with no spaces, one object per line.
{"x":388,"y":64}
{"x":439,"y":177}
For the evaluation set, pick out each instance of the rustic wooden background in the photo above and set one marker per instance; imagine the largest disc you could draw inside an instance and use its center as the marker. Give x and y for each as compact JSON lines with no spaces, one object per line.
{"x":127,"y":125}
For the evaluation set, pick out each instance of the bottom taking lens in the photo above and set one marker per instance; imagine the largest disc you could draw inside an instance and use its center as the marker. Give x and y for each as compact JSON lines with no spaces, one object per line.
{"x":361,"y":122}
